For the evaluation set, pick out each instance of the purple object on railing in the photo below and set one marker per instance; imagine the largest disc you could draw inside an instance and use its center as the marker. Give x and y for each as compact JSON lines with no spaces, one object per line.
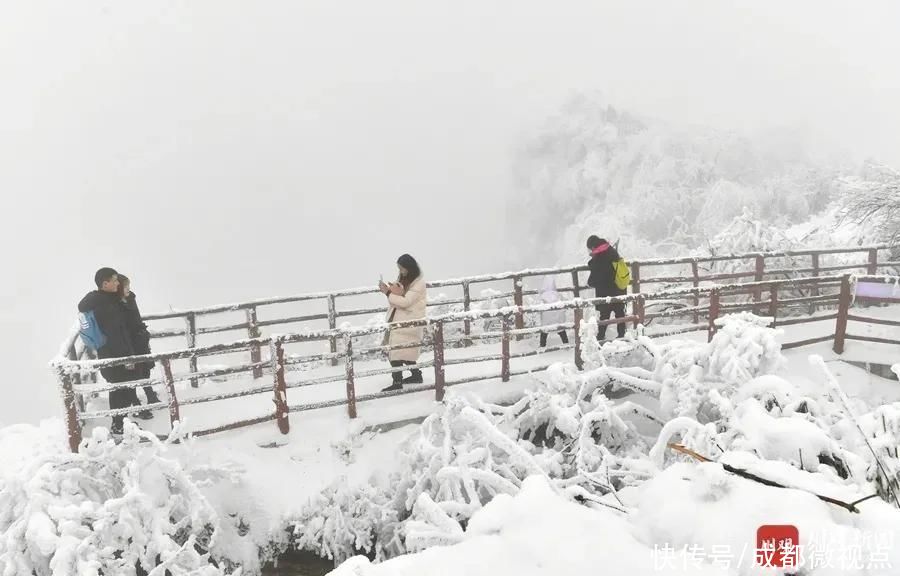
{"x":877,"y":289}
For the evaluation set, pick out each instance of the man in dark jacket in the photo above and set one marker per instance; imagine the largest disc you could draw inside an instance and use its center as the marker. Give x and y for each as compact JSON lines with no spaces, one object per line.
{"x":603,"y":280}
{"x":110,"y":316}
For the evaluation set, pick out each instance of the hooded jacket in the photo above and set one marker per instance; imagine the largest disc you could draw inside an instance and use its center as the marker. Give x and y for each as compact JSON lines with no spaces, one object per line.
{"x":603,"y":275}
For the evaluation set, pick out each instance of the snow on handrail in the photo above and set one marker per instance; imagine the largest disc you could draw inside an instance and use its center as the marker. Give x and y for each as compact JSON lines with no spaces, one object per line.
{"x":876,"y":278}
{"x":70,"y":340}
{"x":175,"y":313}
{"x":374,"y":328}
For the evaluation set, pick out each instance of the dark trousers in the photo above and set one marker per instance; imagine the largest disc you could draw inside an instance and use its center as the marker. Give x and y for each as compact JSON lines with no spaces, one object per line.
{"x":398,"y":376}
{"x":122,"y":397}
{"x":152,"y":396}
{"x":142,"y":371}
{"x":562,"y":336}
{"x":604,"y":311}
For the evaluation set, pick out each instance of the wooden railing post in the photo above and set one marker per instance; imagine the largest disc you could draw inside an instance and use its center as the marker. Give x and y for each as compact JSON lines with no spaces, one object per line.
{"x":760,"y":267}
{"x":773,"y":303}
{"x":253,"y":332}
{"x":635,"y":277}
{"x":332,"y":324}
{"x":76,"y":377}
{"x":579,"y":315}
{"x":873,"y":262}
{"x":638,"y":308}
{"x":351,"y":385}
{"x":190,"y":332}
{"x":174,"y":415}
{"x":280,"y":387}
{"x":695,"y":272}
{"x":92,"y":356}
{"x":73,"y":425}
{"x":814,"y":289}
{"x":467,"y":306}
{"x":519,"y":300}
{"x":504,"y":350}
{"x":713,"y":314}
{"x":73,"y":355}
{"x":437,"y":340}
{"x":758,"y":277}
{"x":576,"y":291}
{"x":840,"y":328}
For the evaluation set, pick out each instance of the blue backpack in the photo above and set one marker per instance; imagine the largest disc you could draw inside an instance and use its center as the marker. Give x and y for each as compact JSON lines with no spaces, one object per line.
{"x":90,"y":332}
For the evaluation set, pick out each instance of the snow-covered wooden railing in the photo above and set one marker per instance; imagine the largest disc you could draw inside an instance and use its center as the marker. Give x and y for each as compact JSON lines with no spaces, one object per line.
{"x":853,"y":290}
{"x":756,"y":262}
{"x":278,"y":363}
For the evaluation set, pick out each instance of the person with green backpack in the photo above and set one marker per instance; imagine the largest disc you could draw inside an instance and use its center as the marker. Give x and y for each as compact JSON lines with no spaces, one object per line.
{"x":609,"y":277}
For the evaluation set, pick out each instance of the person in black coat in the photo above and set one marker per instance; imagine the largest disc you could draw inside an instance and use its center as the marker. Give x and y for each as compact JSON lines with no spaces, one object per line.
{"x":603,"y":280}
{"x":137,"y":331}
{"x":110,"y":316}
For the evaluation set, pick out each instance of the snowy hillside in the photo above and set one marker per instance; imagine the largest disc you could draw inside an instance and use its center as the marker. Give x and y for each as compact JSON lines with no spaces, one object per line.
{"x":594,"y":169}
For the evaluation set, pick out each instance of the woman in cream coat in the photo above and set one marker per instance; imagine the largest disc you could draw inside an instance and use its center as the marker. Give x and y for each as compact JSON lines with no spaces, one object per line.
{"x":406,"y":301}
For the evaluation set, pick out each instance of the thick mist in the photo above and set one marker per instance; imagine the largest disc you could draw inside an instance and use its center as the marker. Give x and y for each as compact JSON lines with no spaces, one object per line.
{"x":221,"y":150}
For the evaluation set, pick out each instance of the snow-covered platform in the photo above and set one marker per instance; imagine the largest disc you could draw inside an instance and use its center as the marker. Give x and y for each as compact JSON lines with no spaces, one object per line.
{"x":265,"y":480}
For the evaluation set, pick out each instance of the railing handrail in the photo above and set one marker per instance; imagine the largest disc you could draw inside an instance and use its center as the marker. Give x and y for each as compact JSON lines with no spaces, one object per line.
{"x":528,"y":272}
{"x":69,"y":368}
{"x":358,"y":331}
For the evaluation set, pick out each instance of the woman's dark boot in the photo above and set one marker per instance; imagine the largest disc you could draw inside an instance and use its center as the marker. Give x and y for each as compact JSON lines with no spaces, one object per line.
{"x":397,"y":377}
{"x":415,"y":378}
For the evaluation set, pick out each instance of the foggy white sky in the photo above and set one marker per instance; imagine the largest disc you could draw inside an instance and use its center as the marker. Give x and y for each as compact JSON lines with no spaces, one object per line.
{"x":220,"y":150}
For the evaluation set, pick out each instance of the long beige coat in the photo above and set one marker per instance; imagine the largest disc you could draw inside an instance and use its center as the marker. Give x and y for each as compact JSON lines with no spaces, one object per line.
{"x":409,"y":306}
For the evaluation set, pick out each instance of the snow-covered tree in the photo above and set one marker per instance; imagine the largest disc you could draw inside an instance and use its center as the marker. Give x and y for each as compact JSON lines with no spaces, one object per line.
{"x":873,"y":201}
{"x":341,"y":522}
{"x":747,"y":234}
{"x":112,"y":508}
{"x":595,"y":169}
{"x":722,"y":399}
